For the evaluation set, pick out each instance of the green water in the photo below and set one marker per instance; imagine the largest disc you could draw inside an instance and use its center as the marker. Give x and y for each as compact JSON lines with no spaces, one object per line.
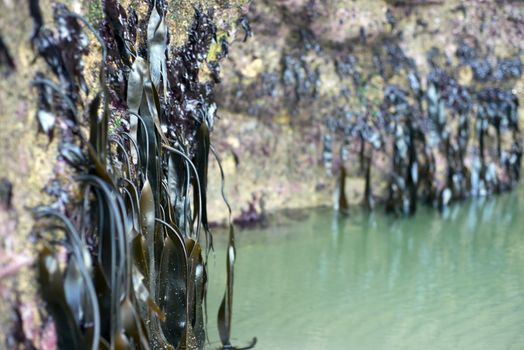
{"x":434,"y":281}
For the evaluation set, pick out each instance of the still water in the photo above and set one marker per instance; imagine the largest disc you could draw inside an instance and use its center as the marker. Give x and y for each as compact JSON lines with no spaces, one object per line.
{"x":433,"y":281}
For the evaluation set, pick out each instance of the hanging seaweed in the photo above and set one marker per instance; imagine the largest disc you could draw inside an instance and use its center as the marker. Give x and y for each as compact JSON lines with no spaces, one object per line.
{"x":135,"y":274}
{"x":438,"y":139}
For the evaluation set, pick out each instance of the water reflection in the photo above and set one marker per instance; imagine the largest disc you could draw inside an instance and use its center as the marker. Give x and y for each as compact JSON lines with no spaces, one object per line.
{"x":434,"y":281}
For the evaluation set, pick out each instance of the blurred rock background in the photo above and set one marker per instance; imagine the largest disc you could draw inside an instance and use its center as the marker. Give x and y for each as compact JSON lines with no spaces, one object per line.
{"x":280,"y":86}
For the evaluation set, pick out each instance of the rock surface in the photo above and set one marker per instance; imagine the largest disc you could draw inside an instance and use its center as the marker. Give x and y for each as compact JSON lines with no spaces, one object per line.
{"x":281,"y":85}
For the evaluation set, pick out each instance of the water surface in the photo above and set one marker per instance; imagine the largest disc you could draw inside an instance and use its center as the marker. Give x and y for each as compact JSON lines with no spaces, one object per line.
{"x":433,"y":281}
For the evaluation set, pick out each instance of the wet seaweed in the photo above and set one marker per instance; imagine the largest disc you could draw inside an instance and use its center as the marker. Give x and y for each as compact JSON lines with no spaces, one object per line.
{"x":7,"y":62}
{"x":243,"y":22}
{"x":134,"y":275}
{"x":414,"y":125}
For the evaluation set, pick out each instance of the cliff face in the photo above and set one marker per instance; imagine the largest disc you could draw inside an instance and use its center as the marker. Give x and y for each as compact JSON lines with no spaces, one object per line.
{"x":311,"y":65}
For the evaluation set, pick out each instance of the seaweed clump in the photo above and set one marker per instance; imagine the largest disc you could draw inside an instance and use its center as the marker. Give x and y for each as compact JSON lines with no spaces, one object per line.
{"x":444,"y":141}
{"x":131,"y":204}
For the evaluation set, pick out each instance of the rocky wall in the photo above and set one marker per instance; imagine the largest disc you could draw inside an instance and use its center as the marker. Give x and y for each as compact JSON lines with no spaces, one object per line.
{"x":283,"y":85}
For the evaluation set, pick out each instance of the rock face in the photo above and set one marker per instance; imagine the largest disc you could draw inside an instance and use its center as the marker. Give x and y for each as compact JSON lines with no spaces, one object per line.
{"x":312,"y":66}
{"x":26,"y":162}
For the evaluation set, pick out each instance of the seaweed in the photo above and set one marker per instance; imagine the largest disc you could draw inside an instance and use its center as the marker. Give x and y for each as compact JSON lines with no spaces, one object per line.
{"x":415,"y":124}
{"x":135,"y":273}
{"x":243,"y":22}
{"x":6,"y":60}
